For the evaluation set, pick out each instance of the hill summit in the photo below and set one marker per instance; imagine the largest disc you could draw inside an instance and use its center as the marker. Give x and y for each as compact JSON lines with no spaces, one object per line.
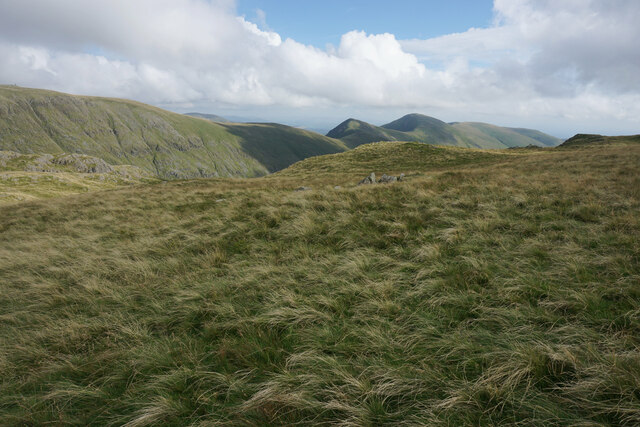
{"x":353,"y":132}
{"x":583,"y":139}
{"x":421,"y":128}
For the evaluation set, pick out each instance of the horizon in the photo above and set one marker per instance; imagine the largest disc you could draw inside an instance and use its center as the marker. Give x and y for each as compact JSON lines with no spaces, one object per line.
{"x":561,"y":68}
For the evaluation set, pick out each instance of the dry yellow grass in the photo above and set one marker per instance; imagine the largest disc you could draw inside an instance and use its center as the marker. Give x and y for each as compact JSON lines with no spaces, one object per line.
{"x":486,"y":289}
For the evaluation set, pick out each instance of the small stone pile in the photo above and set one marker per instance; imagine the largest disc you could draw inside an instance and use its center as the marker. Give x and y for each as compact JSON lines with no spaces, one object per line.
{"x":385,"y":179}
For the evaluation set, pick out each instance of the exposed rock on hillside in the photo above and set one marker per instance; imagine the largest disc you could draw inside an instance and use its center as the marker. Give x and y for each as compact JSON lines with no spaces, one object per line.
{"x":371,"y":179}
{"x":74,"y":163}
{"x":384,"y":179}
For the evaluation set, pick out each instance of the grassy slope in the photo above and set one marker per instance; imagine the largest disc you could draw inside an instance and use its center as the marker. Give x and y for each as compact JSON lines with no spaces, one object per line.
{"x":355,"y":133}
{"x":424,"y":129}
{"x":30,"y":177}
{"x":392,"y":158}
{"x":477,"y":292}
{"x":543,"y":138}
{"x":417,"y":127}
{"x":22,"y":186}
{"x":590,"y":140}
{"x":279,"y":146}
{"x":126,"y":132}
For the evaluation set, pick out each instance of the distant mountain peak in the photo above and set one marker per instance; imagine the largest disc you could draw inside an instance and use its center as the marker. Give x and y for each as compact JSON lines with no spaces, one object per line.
{"x":426,"y":129}
{"x":412,"y":122}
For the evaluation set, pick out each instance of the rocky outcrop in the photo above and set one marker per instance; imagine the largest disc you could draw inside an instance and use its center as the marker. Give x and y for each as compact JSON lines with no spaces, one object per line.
{"x":371,"y":179}
{"x":74,"y":163}
{"x":384,"y":179}
{"x":83,"y":164}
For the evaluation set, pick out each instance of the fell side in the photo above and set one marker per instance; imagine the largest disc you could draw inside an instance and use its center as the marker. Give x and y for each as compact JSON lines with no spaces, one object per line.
{"x":126,"y":132}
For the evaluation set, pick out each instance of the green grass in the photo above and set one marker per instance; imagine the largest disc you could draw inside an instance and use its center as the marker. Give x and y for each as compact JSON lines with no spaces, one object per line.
{"x":488,"y":288}
{"x":43,"y":176}
{"x":581,"y":140}
{"x":392,"y":158}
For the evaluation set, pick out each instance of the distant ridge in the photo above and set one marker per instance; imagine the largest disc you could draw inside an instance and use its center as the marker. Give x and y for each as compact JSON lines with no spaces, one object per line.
{"x":583,"y":139}
{"x":421,"y":128}
{"x":211,"y":117}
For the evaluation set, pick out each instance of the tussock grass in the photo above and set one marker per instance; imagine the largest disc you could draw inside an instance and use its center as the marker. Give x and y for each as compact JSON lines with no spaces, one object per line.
{"x":486,"y":289}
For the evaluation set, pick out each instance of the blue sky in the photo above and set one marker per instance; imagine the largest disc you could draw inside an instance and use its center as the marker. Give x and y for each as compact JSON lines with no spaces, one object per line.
{"x":319,"y":23}
{"x":560,"y":66}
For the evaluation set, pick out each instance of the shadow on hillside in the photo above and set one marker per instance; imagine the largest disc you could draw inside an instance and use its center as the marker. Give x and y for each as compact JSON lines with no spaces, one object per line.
{"x":278,"y":146}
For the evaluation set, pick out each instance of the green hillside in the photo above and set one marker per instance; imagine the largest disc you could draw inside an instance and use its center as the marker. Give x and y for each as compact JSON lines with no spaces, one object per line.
{"x":42,"y":176}
{"x":487,"y":288}
{"x":417,"y":127}
{"x":125,"y":132}
{"x":277,"y":146}
{"x":355,"y":132}
{"x":543,"y":138}
{"x":499,"y":137}
{"x":582,"y":139}
{"x":423,"y":129}
{"x":392,"y":158}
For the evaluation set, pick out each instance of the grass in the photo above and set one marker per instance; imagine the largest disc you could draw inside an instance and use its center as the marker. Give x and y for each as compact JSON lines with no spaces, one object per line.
{"x":410,"y":158}
{"x":17,"y":186}
{"x":32,"y":176}
{"x":486,"y":289}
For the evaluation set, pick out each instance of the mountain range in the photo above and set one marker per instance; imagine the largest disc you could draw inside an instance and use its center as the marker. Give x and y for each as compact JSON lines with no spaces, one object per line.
{"x":421,"y":128}
{"x":170,"y":145}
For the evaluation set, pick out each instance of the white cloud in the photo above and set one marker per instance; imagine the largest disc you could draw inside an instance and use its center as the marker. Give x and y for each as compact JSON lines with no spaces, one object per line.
{"x":573,"y":59}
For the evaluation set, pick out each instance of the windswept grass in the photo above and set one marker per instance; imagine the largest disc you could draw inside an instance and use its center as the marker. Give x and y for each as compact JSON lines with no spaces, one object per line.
{"x":43,"y":176}
{"x":16,"y":186}
{"x":486,"y":289}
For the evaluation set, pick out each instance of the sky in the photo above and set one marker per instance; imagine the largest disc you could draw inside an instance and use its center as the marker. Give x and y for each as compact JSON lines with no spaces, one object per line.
{"x":561,"y":66}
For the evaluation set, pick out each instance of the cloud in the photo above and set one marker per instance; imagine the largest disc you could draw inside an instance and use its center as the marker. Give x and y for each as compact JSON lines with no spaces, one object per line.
{"x":574,"y":59}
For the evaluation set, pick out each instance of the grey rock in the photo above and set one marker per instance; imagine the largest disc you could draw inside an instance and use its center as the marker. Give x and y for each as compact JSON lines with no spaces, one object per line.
{"x":337,"y":187}
{"x":371,"y":179}
{"x":82,"y":163}
{"x":303,"y":188}
{"x":385,"y":179}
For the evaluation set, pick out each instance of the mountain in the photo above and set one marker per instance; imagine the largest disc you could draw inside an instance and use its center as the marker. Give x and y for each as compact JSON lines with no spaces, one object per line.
{"x":166,"y":144}
{"x":277,"y":146}
{"x":355,"y":132}
{"x":421,"y":128}
{"x":211,"y":117}
{"x":583,"y":139}
{"x":424,"y":129}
